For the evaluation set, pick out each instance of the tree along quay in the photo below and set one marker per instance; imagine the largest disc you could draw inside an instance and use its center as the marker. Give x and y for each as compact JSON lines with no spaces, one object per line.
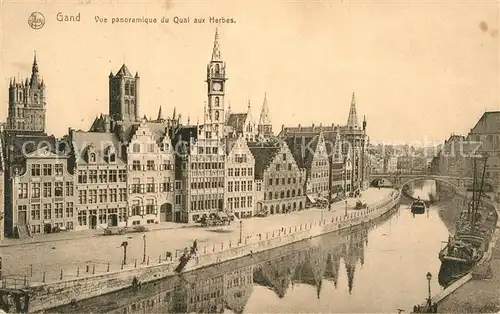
{"x":49,"y":295}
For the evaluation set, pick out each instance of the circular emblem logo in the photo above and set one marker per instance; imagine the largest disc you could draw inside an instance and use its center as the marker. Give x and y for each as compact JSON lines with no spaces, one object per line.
{"x":36,"y":20}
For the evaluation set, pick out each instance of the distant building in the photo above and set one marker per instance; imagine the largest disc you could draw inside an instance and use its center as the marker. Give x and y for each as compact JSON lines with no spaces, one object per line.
{"x":487,"y":132}
{"x":282,"y":179}
{"x":351,"y":140}
{"x":265,"y":127}
{"x":241,"y":124}
{"x":27,"y":103}
{"x":311,"y":154}
{"x":40,"y":195}
{"x":239,"y":179}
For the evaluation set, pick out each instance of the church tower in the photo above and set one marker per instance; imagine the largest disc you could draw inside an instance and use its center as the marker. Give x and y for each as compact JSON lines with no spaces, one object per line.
{"x":124,"y":95}
{"x":265,"y":128}
{"x":27,"y":103}
{"x":216,"y":80}
{"x":352,"y":120}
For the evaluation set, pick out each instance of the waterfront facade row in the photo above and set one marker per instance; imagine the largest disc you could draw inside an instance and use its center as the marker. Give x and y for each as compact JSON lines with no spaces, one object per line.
{"x":127,"y":171}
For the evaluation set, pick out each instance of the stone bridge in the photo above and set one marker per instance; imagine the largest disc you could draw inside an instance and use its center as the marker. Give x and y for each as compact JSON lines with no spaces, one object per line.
{"x":400,"y":180}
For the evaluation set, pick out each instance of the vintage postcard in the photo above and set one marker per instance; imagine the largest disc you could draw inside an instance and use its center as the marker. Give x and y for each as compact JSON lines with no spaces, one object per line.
{"x":249,"y":156}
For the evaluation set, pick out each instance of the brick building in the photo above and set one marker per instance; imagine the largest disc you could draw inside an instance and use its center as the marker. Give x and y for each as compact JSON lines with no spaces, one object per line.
{"x":239,"y":179}
{"x":282,"y":179}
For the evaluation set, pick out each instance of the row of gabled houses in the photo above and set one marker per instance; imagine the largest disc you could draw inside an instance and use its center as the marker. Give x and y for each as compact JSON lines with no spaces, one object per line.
{"x":126,"y":170}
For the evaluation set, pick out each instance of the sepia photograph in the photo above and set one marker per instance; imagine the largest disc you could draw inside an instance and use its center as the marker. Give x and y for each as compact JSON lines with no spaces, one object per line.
{"x":288,"y":156}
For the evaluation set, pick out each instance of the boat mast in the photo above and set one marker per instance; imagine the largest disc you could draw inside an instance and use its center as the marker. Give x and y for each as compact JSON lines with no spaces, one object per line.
{"x":470,"y":206}
{"x":482,"y":183}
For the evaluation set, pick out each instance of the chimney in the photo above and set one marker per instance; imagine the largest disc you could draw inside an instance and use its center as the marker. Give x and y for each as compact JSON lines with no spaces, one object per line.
{"x":313,"y":126}
{"x":300,"y":128}
{"x":282,"y":127}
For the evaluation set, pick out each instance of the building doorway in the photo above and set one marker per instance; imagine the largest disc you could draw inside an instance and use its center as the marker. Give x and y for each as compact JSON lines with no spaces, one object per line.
{"x":93,"y":222}
{"x":178,"y":216}
{"x":47,"y":228}
{"x":113,"y":220}
{"x":166,"y":212}
{"x":21,"y":216}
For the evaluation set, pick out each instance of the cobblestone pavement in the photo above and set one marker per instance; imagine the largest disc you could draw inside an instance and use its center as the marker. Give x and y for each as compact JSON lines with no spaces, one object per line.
{"x":476,"y":296}
{"x":49,"y":256}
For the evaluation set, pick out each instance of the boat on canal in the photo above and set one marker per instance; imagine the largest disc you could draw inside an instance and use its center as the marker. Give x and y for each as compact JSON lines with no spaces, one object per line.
{"x":418,"y":206}
{"x":466,"y":247}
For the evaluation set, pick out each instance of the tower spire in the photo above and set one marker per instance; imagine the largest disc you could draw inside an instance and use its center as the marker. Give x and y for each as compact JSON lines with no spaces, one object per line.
{"x":352,"y":120}
{"x":160,"y":115}
{"x":216,"y":49}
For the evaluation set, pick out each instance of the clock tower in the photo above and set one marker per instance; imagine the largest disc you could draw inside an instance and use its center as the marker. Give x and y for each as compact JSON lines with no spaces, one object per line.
{"x":216,"y":81}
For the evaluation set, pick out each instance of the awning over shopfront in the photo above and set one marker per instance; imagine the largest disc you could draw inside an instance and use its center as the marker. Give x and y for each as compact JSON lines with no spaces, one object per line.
{"x":311,"y":199}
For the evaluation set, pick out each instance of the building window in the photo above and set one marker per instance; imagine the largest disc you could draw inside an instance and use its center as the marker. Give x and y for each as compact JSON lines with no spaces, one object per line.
{"x":230,"y":186}
{"x":47,"y":211}
{"x":69,"y":189}
{"x":47,"y":170}
{"x":113,"y":195}
{"x":35,"y":212}
{"x":112,"y":176}
{"x":123,"y":194}
{"x":103,"y":195}
{"x":93,"y":176}
{"x":58,"y":210}
{"x":69,"y":209}
{"x":23,"y":190}
{"x":150,"y":165}
{"x":258,"y":186}
{"x":35,"y":190}
{"x":151,"y":148}
{"x":103,"y":176}
{"x":47,"y":189}
{"x":82,"y":217}
{"x":58,"y":189}
{"x":136,"y":165}
{"x":136,"y":208}
{"x":136,"y":185}
{"x":82,"y":176}
{"x":82,"y":197}
{"x":92,"y":196}
{"x":150,"y":185}
{"x":150,"y":207}
{"x":35,"y":170}
{"x":122,"y":176}
{"x":136,"y":148}
{"x":277,"y":167}
{"x":58,"y":169}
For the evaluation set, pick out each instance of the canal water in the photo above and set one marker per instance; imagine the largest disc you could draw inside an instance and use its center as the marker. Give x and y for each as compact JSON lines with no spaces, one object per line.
{"x":379,"y":267}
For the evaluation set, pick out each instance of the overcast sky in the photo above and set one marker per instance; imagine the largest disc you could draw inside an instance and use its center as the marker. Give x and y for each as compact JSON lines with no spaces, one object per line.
{"x":421,"y":71}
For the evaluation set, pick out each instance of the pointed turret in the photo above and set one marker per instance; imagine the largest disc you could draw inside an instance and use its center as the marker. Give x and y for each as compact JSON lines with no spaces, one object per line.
{"x":34,"y":74}
{"x":264,"y":127}
{"x":352,"y":120}
{"x":111,"y":74}
{"x":173,"y":115}
{"x":160,"y":116}
{"x":216,"y":49}
{"x":364,"y":123}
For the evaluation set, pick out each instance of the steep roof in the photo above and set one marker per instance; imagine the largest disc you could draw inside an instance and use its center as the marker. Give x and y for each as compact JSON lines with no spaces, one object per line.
{"x":124,"y":71}
{"x":489,"y":123}
{"x":81,"y":142}
{"x":237,"y":121}
{"x":264,"y":154}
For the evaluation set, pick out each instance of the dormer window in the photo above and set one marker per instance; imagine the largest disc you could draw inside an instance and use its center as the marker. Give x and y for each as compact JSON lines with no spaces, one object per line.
{"x":110,"y":154}
{"x":136,"y":148}
{"x":91,"y":154}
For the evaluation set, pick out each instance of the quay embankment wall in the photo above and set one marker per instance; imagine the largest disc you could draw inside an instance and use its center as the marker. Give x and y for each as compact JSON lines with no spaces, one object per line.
{"x":44,"y":296}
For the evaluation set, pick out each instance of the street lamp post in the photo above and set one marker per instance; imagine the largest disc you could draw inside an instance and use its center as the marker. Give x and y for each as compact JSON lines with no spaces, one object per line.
{"x":241,"y":229}
{"x":124,"y":244}
{"x":346,"y":208}
{"x":144,"y":253}
{"x":429,"y":277}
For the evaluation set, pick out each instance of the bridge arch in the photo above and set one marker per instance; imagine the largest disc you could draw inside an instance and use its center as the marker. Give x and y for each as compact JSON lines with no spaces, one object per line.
{"x":435,"y":178}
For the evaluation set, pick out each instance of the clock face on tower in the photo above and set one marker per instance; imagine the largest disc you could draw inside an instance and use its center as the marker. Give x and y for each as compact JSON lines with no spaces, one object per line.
{"x":217,"y":87}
